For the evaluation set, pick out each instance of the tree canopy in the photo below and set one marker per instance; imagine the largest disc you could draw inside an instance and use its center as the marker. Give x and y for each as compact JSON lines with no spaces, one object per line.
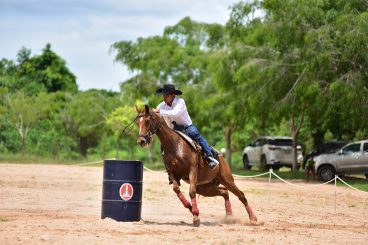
{"x":46,"y":72}
{"x":276,"y":67}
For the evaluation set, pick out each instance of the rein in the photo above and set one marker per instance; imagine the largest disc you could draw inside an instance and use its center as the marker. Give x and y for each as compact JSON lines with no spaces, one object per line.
{"x":150,"y":132}
{"x":129,"y":125}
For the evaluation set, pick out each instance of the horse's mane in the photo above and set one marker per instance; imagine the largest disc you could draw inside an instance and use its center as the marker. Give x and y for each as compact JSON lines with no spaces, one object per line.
{"x":163,"y":123}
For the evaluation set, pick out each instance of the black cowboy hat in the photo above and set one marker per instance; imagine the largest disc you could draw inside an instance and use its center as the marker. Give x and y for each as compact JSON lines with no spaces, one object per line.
{"x":167,"y":89}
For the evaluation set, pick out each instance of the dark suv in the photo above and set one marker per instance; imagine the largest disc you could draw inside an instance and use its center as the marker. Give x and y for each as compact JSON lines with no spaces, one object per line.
{"x":325,"y":148}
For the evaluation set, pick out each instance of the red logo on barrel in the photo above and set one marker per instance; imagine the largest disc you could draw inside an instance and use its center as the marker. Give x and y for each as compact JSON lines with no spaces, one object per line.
{"x":126,"y":191}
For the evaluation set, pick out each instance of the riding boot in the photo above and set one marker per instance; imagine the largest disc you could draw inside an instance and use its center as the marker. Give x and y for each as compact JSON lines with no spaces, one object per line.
{"x":211,"y":162}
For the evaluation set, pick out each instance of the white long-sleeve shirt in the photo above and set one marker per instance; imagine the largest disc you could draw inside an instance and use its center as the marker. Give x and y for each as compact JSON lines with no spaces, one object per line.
{"x":177,"y":112}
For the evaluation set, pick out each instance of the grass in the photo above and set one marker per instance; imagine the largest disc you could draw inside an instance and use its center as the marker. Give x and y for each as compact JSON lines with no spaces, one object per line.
{"x":31,"y":158}
{"x":155,"y":165}
{"x":356,"y":181}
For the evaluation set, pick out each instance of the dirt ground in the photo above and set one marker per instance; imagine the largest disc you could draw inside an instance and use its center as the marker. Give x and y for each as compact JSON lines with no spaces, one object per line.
{"x":59,"y":204}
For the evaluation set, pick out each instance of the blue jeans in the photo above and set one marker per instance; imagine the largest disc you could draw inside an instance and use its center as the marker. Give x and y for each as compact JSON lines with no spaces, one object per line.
{"x":193,"y":133}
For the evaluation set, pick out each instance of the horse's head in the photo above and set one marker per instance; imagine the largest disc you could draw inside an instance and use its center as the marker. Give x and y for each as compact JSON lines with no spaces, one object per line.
{"x":148,"y":125}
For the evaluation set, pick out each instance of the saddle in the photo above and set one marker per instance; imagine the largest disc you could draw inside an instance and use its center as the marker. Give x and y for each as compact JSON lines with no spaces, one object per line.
{"x":196,"y":146}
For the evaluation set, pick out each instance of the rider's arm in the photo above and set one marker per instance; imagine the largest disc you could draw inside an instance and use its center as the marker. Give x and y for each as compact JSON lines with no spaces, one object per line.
{"x":159,"y":108}
{"x":178,"y":109}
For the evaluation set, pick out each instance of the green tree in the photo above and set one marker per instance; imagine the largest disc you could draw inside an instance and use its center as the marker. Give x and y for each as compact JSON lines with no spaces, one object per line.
{"x":304,"y":40}
{"x":46,"y":72}
{"x":23,"y":112}
{"x":180,"y":55}
{"x":117,"y":120}
{"x":84,"y":116}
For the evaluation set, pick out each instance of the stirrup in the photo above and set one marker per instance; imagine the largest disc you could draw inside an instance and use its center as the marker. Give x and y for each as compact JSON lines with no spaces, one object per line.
{"x":212,"y":162}
{"x":212,"y":159}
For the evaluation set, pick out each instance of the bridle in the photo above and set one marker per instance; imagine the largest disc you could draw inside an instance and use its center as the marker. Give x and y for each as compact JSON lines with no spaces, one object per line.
{"x":151,"y":132}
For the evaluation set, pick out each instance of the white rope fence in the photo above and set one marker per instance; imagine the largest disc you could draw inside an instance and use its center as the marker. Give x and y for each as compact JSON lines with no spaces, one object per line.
{"x":270,"y":173}
{"x":337,"y":177}
{"x":150,"y":170}
{"x":300,"y":186}
{"x":90,"y":163}
{"x":303,"y":186}
{"x":249,"y":176}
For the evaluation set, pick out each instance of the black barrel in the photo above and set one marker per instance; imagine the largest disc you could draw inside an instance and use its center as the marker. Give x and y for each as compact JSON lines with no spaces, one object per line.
{"x":122,"y":190}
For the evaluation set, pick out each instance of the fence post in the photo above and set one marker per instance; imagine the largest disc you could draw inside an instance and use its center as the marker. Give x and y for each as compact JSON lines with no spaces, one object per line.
{"x":335,"y":193}
{"x":269,"y":183}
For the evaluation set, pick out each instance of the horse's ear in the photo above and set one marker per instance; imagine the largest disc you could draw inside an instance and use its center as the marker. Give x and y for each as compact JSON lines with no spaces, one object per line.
{"x":146,"y":109}
{"x":136,"y":107}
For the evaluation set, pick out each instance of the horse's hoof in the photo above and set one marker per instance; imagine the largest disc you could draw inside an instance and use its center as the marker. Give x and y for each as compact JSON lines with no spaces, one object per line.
{"x":253,"y":218}
{"x":253,"y":222}
{"x":256,"y":223}
{"x":196,"y":221}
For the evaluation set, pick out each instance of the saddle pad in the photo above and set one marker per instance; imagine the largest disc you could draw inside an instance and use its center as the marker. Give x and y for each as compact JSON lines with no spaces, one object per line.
{"x":196,"y":146}
{"x":189,"y":140}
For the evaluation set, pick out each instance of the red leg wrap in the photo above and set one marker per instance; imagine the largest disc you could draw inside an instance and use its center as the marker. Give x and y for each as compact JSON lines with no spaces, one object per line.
{"x":228,"y":209}
{"x":195,"y":210}
{"x":183,"y":200}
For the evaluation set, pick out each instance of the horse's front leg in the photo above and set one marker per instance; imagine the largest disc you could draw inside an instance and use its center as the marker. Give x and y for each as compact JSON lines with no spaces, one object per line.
{"x":180,"y":195}
{"x":193,"y":194}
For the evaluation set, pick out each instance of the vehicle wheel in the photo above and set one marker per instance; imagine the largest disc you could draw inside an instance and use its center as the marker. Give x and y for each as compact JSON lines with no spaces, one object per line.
{"x":246,"y":163}
{"x":264,"y":165}
{"x":326,"y":173}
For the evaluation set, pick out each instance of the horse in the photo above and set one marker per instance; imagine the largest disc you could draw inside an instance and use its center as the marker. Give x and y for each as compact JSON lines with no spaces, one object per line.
{"x":183,"y":162}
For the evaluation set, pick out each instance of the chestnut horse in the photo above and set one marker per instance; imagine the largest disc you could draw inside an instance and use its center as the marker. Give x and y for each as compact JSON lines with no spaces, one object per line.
{"x":183,"y":162}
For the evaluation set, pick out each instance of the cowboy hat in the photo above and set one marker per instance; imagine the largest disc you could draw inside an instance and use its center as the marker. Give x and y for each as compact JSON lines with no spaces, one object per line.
{"x":167,"y":89}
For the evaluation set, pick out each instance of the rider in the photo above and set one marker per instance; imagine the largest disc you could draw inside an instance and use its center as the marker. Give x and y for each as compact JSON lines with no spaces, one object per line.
{"x":176,"y":116}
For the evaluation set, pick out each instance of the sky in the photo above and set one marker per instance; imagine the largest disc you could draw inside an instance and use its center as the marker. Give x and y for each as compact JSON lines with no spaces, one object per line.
{"x":82,"y":31}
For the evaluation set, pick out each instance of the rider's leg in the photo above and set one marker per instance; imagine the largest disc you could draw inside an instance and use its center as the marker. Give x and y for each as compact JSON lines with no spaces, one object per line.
{"x":193,"y":132}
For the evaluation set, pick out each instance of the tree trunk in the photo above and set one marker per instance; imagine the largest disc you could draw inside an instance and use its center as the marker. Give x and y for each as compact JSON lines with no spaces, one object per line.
{"x":228,"y":133}
{"x":294,"y":134}
{"x":23,"y":137}
{"x":318,"y":137}
{"x":23,"y":146}
{"x":117,"y":146}
{"x":83,"y":146}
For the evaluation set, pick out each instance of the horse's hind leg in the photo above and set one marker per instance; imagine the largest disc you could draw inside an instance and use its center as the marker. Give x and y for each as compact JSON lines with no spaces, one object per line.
{"x":230,"y":185}
{"x":211,"y":190}
{"x":227,"y":180}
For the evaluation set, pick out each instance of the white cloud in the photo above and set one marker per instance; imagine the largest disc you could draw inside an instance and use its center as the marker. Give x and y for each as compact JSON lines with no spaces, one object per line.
{"x":81,"y":31}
